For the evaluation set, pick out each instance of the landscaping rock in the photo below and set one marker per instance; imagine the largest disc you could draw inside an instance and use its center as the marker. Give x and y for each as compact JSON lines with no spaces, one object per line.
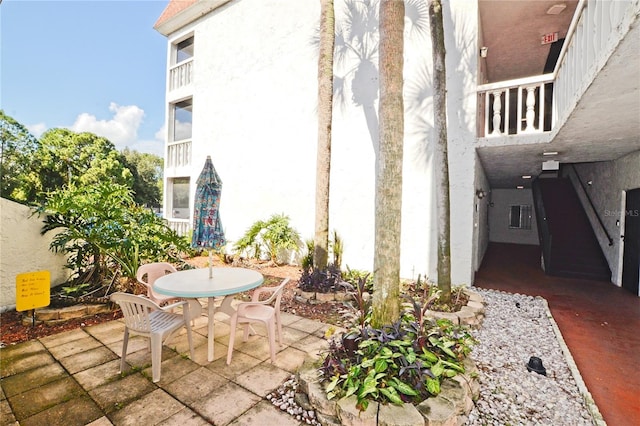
{"x":349,"y":414}
{"x":399,"y":415}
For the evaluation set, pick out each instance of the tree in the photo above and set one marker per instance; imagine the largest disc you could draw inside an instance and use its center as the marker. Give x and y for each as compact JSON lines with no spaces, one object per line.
{"x":325,"y":110}
{"x":17,"y":147}
{"x":147,"y":176}
{"x":65,"y":157}
{"x":441,"y":151}
{"x":388,"y":198}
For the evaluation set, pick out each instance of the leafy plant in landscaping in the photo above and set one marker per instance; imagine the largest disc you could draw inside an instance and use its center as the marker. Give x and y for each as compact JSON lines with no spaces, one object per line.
{"x":402,"y":362}
{"x":360,"y":305}
{"x":326,"y":280}
{"x":103,"y":232}
{"x":269,"y":238}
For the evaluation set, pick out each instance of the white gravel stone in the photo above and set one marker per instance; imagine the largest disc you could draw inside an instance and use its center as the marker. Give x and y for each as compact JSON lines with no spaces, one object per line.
{"x":515,"y":328}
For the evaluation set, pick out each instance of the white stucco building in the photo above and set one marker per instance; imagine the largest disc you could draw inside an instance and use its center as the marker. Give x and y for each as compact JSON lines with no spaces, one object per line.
{"x":525,"y":79}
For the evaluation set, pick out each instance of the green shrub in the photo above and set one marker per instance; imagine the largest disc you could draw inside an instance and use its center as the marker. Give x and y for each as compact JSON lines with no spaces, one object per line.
{"x":268,"y":238}
{"x":400,"y":363}
{"x":104,"y":232}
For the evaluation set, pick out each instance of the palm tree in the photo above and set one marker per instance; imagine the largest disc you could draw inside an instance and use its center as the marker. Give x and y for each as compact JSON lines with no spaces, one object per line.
{"x":388,"y":199}
{"x":325,"y":110}
{"x":442,"y":157}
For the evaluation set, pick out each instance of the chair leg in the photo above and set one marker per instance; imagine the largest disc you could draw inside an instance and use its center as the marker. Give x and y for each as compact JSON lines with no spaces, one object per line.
{"x":124,"y":349}
{"x":245,"y":336}
{"x":232,"y":336}
{"x":271,"y":331}
{"x":156,"y":356}
{"x":189,"y":338}
{"x":279,"y":325}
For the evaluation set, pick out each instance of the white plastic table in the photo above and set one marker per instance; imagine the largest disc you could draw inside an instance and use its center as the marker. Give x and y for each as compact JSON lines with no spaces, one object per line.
{"x":195,"y":283}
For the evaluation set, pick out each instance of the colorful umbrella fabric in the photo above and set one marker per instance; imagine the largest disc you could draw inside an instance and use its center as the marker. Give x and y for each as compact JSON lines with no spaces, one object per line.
{"x":207,"y":227}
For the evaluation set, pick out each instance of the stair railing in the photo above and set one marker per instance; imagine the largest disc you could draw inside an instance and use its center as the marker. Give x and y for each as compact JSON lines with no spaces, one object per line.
{"x":544,"y":233}
{"x":593,"y":207}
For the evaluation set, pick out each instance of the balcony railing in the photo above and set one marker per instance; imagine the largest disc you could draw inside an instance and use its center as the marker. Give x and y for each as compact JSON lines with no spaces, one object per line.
{"x":516,"y":107}
{"x":178,"y":154}
{"x":181,"y":75}
{"x":180,"y":226}
{"x":538,"y":104}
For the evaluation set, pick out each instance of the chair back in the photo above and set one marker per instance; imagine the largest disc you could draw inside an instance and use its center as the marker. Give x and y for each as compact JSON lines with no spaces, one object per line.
{"x":136,"y":311}
{"x":148,"y":273}
{"x":277,"y":295}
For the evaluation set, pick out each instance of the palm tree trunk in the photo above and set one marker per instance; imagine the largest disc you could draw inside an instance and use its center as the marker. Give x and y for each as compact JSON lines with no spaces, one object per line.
{"x":325,"y":110}
{"x":442,"y":156}
{"x":388,"y":200}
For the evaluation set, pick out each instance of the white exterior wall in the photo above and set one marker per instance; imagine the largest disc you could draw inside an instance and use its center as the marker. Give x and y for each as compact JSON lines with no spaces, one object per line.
{"x":610,"y":181}
{"x":254,"y":112}
{"x":501,"y":200}
{"x":23,"y":250}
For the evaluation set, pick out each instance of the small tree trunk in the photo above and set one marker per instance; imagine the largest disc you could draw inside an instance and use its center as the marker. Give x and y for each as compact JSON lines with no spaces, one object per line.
{"x":325,"y":109}
{"x":442,"y":156}
{"x":388,"y":200}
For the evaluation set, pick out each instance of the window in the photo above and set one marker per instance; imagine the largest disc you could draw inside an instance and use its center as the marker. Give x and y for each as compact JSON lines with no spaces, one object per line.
{"x":180,"y":198}
{"x":184,"y":50}
{"x":520,"y":216}
{"x":182,"y":116}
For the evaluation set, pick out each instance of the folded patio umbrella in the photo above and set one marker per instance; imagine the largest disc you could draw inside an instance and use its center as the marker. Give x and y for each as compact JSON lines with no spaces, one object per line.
{"x":207,"y":228}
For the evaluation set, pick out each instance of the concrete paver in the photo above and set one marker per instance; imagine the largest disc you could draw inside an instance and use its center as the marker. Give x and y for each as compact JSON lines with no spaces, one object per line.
{"x":73,"y":378}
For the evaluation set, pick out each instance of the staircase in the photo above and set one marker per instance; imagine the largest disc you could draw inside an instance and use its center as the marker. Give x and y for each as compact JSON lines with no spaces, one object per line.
{"x":572,"y":249}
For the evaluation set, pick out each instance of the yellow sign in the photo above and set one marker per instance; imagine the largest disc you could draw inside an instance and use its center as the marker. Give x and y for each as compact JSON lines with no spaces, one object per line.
{"x":33,"y":290}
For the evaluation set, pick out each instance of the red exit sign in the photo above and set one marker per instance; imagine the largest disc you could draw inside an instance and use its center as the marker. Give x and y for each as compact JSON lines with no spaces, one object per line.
{"x":549,"y":38}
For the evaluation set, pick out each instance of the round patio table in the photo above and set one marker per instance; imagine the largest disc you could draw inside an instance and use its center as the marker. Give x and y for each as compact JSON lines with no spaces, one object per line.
{"x":195,"y":283}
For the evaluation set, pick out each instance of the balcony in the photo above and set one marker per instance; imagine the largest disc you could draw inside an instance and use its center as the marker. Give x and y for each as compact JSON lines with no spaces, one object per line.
{"x":181,"y":75}
{"x":178,"y":156}
{"x":532,"y":109}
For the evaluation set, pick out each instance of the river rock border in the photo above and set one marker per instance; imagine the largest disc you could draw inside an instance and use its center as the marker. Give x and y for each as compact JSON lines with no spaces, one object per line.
{"x":450,"y":408}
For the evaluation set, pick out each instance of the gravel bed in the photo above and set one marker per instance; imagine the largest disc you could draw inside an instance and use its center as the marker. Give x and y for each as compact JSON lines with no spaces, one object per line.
{"x":516,"y":328}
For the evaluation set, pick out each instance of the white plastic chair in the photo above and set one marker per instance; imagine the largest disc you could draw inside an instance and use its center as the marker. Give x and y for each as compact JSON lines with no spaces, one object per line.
{"x":146,"y":318}
{"x":148,"y":274}
{"x":259,"y":311}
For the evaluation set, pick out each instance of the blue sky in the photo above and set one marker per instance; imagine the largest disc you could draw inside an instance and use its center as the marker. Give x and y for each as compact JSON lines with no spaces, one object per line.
{"x":91,"y":65}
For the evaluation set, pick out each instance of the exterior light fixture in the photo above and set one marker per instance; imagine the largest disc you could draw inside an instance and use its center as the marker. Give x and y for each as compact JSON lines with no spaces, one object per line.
{"x":589,"y":182}
{"x":548,"y":153}
{"x":483,"y":51}
{"x":519,"y":187}
{"x":480,"y":193}
{"x":526,"y":176}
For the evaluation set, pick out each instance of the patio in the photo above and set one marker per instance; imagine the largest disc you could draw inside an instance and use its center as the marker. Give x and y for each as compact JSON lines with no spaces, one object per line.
{"x":73,"y":378}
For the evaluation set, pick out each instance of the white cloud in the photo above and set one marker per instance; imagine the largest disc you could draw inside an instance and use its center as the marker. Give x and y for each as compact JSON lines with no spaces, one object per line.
{"x":122,"y":129}
{"x":37,"y":129}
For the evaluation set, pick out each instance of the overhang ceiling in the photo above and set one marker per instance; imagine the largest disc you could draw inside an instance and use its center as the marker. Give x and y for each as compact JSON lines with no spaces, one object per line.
{"x":605,"y":124}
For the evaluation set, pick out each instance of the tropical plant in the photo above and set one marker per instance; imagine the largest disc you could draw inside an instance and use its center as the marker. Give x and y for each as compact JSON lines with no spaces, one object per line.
{"x":322,"y":279}
{"x":402,"y":362}
{"x":325,"y":280}
{"x":103,"y":232}
{"x":269,"y":238}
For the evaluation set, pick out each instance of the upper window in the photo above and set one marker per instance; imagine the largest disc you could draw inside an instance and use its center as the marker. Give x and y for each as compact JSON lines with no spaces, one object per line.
{"x":182,"y":116}
{"x":184,"y":50}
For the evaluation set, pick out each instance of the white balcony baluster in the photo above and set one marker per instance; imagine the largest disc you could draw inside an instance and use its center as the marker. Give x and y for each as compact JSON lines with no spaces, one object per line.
{"x":497,"y":111}
{"x":531,"y":104}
